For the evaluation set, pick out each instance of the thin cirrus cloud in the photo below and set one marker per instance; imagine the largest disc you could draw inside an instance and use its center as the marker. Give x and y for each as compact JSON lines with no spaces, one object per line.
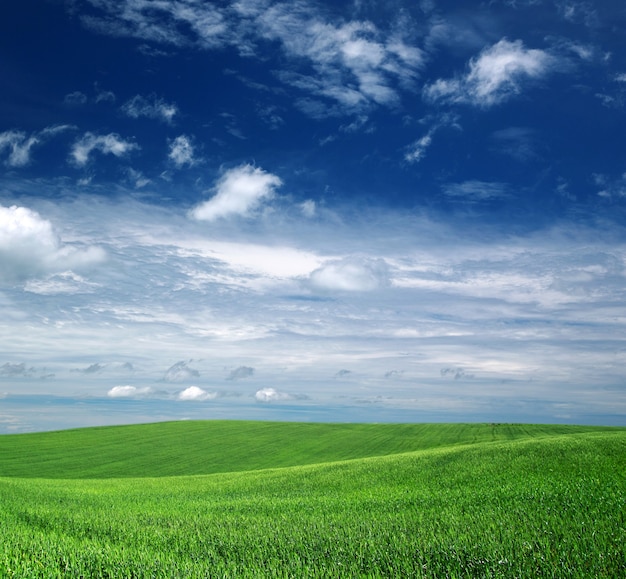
{"x":238,"y":192}
{"x":110,"y":144}
{"x":29,"y":247}
{"x":496,"y":75}
{"x":476,"y":191}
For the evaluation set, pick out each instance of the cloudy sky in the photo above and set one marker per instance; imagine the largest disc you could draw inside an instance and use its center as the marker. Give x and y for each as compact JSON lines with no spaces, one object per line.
{"x":367,"y":211}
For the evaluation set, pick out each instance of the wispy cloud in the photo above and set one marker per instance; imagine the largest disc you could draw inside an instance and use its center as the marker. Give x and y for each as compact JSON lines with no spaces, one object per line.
{"x":475,"y":191}
{"x":520,"y":143}
{"x":19,"y":145}
{"x":150,"y":107}
{"x":184,"y":23}
{"x":111,"y":144}
{"x":238,"y":192}
{"x":496,"y":75}
{"x":415,"y":152}
{"x":356,"y":65}
{"x":75,"y":98}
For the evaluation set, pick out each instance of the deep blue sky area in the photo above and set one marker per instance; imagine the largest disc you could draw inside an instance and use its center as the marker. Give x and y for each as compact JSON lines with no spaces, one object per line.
{"x":377,"y":210}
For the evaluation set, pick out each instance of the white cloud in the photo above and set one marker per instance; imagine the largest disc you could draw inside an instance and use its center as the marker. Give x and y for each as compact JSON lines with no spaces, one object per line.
{"x":176,"y":23}
{"x":129,"y":392}
{"x":66,"y":282}
{"x":353,"y":274}
{"x":181,"y":152}
{"x":271,"y":395}
{"x":418,"y":149}
{"x":496,"y":75}
{"x":194,"y":393}
{"x":19,"y":144}
{"x":356,"y":64}
{"x":29,"y":247}
{"x":238,"y":192}
{"x":111,"y":144}
{"x":152,"y":107}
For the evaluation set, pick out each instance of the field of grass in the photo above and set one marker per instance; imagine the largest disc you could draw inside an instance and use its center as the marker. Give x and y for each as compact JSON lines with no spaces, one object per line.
{"x":403,"y":501}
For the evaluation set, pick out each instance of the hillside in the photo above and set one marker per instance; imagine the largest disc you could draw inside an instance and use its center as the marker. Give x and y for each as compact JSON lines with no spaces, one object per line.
{"x":539,"y":505}
{"x":207,"y":447}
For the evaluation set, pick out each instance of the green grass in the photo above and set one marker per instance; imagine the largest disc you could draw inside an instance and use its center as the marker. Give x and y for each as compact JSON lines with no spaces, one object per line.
{"x":462,"y":501}
{"x":208,"y":447}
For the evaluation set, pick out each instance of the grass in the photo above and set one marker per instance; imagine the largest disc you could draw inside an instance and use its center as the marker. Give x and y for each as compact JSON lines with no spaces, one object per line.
{"x":209,"y":447}
{"x":462,"y":501}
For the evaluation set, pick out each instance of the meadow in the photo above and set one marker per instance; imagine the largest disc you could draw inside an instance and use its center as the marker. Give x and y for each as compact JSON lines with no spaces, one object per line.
{"x":249,"y":499}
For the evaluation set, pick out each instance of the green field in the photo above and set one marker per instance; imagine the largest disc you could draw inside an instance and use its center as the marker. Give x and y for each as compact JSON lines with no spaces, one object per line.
{"x":255,"y":499}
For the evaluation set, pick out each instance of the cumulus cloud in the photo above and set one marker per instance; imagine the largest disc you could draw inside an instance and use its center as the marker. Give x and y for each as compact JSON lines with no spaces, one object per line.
{"x":238,"y":192}
{"x":241,"y":372}
{"x":496,"y":75}
{"x":351,"y":274}
{"x":111,"y":144}
{"x":271,"y":395}
{"x":29,"y":247}
{"x":129,"y":392}
{"x":181,"y":152}
{"x":19,"y":144}
{"x":180,"y":372}
{"x":152,"y":108}
{"x":193,"y":393}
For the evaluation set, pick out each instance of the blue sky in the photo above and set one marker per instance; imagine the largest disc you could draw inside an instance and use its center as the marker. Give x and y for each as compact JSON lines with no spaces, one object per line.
{"x":364,"y":211}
